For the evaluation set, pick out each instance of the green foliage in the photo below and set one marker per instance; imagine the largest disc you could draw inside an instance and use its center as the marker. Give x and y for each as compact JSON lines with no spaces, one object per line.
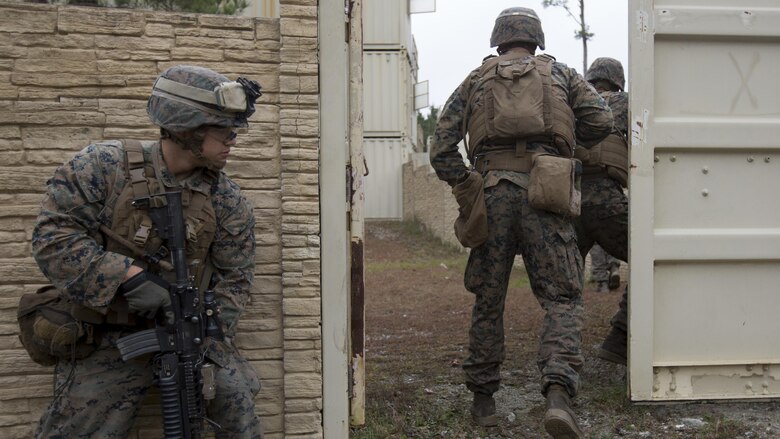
{"x":428,"y":123}
{"x":224,"y":7}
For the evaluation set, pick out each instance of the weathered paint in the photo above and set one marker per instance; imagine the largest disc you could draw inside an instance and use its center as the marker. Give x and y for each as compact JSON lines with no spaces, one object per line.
{"x":705,"y":221}
{"x":357,"y":170}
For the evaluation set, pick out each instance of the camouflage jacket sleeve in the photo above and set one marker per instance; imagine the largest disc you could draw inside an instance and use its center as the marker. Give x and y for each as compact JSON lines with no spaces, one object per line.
{"x":445,"y":158}
{"x":593,"y":118}
{"x":232,"y":251}
{"x":618,"y":103}
{"x":63,"y":240}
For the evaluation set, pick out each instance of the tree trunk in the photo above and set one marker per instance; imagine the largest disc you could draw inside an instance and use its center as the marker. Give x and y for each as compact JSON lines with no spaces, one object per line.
{"x":584,"y":34}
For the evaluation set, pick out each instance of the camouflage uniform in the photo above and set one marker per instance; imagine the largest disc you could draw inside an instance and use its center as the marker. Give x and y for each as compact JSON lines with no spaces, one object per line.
{"x":604,"y":215}
{"x":101,"y":395}
{"x":547,"y":242}
{"x":602,"y":265}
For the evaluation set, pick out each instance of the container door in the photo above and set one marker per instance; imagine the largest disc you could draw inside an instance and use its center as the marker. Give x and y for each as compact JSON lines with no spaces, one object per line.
{"x":705,"y":199}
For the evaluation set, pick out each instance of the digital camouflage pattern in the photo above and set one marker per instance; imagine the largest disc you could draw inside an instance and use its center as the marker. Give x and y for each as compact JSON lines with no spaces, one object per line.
{"x":607,"y":69}
{"x":105,"y":395}
{"x":552,"y":261}
{"x":604,"y":213}
{"x":515,"y":25}
{"x":70,"y":252}
{"x":545,"y":240}
{"x":602,"y":264}
{"x":177,"y":115}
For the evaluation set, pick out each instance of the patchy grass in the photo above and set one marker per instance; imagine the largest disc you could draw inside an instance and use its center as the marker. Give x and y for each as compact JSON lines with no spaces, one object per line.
{"x":417,"y":319}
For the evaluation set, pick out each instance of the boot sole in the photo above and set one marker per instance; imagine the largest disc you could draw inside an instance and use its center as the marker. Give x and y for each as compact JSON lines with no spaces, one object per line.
{"x":560,"y":425}
{"x":486,"y":421}
{"x":614,"y":282}
{"x":612,"y":357}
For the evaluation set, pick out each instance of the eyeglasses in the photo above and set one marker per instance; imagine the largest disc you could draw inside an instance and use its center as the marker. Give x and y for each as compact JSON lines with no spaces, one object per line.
{"x":224,"y":135}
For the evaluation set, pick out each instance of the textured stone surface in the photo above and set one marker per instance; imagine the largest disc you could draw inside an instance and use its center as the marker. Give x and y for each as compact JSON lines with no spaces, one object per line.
{"x":70,"y":76}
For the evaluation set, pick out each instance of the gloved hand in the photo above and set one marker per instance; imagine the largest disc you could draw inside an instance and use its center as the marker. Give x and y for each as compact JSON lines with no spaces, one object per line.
{"x":145,"y":294}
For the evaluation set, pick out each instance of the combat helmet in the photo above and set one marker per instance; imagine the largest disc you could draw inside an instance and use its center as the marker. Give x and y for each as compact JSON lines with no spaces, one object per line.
{"x":517,"y":25}
{"x":185,"y":98}
{"x":606,"y":69}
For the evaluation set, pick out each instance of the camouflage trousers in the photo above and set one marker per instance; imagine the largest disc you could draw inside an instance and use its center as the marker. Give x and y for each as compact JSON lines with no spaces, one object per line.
{"x":548,"y":245}
{"x":604,"y":220}
{"x":601,"y":264}
{"x":103,"y":396}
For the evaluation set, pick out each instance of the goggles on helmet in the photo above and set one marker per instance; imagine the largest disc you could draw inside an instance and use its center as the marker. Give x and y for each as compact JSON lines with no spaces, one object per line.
{"x":228,"y":99}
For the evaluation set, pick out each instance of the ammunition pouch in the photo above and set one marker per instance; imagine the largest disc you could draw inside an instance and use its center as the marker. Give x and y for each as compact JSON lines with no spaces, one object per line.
{"x":611,"y":154}
{"x":554,"y":185}
{"x":49,"y":332}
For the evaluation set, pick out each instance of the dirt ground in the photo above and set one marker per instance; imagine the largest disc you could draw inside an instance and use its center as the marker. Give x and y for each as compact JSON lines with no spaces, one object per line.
{"x":417,"y":319}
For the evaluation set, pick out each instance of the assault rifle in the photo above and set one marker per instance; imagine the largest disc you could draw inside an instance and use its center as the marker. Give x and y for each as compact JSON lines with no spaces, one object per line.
{"x":185,"y":380}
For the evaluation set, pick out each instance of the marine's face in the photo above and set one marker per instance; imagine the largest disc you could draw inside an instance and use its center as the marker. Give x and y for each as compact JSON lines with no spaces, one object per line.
{"x":216,"y":146}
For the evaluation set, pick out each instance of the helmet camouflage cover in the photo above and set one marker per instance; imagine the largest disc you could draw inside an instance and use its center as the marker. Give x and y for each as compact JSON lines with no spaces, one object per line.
{"x":517,"y":25}
{"x":185,"y":98}
{"x":606,"y":69}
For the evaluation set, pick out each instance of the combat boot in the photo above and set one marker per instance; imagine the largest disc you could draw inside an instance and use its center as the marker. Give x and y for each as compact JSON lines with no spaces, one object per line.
{"x":483,"y":410}
{"x":615,"y":347}
{"x":559,"y":420}
{"x":614,"y":280}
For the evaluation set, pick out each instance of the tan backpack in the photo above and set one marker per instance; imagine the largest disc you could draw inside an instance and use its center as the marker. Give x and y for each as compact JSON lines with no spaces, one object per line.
{"x":518,"y":105}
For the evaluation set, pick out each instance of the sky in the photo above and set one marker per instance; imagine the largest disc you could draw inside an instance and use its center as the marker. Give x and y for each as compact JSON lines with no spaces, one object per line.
{"x":453,"y":40}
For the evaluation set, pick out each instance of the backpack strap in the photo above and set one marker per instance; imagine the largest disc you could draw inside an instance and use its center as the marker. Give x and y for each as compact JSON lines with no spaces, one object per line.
{"x":544,"y":67}
{"x":136,"y":173}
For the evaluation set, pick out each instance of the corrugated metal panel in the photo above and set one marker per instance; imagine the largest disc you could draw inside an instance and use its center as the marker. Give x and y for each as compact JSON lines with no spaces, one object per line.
{"x":386,"y":24}
{"x":388,"y":91}
{"x":705,"y":216}
{"x":262,"y":8}
{"x":384,"y":183}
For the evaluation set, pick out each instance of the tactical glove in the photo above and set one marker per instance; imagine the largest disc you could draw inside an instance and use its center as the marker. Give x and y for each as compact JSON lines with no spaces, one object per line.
{"x":145,"y":294}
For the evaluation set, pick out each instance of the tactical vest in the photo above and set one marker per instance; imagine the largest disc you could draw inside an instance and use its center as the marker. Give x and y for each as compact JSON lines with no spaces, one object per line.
{"x":135,"y":225}
{"x":608,"y":158}
{"x":519,"y":104}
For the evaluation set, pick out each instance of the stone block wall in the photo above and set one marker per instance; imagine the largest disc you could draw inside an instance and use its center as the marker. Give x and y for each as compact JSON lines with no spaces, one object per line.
{"x":71,"y":75}
{"x":429,"y":200}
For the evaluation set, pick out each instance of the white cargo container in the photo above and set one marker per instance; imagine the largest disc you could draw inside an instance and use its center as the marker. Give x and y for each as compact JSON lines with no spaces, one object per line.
{"x":384,"y":182}
{"x":386,"y":25}
{"x":388,"y":94}
{"x":705,"y":205}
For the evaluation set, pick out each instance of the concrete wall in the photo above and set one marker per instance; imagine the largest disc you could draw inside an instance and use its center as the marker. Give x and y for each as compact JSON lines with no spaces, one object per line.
{"x":71,"y":75}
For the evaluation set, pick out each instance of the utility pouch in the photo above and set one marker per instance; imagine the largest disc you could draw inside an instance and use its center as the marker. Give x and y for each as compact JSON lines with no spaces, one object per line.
{"x":554,"y":185}
{"x":614,"y":155}
{"x":49,"y":332}
{"x":471,"y":225}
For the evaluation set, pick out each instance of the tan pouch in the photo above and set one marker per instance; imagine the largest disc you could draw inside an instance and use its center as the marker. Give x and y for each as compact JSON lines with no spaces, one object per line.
{"x":471,"y":224}
{"x":48,"y":331}
{"x":553,"y":185}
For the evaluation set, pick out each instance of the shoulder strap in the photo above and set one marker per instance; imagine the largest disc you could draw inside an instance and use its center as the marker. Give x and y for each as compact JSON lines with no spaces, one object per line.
{"x":136,"y":171}
{"x":544,"y":67}
{"x":134,"y":157}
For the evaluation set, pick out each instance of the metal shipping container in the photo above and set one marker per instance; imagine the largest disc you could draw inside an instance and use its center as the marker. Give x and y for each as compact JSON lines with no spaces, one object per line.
{"x":388,"y":83}
{"x":705,"y":205}
{"x":384,"y":183}
{"x":386,"y":25}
